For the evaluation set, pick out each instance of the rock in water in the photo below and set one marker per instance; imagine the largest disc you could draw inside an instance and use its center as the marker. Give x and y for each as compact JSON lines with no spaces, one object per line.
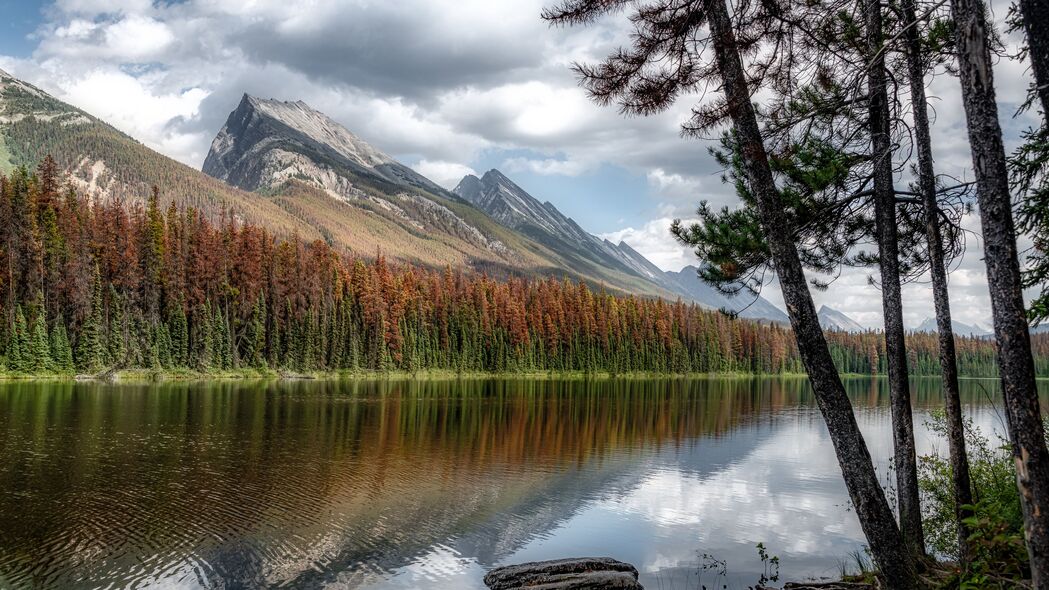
{"x":582,"y":573}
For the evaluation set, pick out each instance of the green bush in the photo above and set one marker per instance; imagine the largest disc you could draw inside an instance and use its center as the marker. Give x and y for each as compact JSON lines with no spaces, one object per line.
{"x":999,"y":558}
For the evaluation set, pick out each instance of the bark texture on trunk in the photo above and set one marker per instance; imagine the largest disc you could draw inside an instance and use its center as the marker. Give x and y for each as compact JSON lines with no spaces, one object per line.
{"x":1003,"y":276}
{"x":938,"y":269}
{"x":905,"y":456}
{"x":867,"y":496}
{"x":1035,"y":15}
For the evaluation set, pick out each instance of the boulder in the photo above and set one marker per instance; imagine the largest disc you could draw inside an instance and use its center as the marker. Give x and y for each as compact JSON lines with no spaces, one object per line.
{"x":581,"y":573}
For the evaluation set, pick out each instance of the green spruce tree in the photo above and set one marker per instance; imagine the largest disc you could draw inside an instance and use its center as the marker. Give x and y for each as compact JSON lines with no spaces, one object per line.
{"x":61,"y":351}
{"x":39,"y":345}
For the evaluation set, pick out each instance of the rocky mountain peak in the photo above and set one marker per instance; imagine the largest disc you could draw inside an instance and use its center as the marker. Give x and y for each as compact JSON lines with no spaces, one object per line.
{"x":832,"y":319}
{"x":470,"y":188}
{"x":267,"y":142}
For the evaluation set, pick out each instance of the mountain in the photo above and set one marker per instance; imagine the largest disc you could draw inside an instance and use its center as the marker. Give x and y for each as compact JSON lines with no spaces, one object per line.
{"x":747,"y":306}
{"x":514,"y":208}
{"x":364,"y":198}
{"x":105,"y":164}
{"x":293,"y":170}
{"x":832,"y":319}
{"x":960,"y":329}
{"x":266,"y":142}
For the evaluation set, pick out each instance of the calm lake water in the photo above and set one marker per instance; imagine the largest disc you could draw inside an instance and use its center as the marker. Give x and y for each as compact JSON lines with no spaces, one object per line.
{"x":427,"y":484}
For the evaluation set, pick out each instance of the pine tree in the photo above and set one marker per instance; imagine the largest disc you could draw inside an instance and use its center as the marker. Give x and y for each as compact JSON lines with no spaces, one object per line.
{"x":116,"y":338}
{"x":18,"y":355}
{"x":90,"y":351}
{"x":204,"y":341}
{"x":256,"y":336}
{"x":61,"y":351}
{"x":40,"y":346}
{"x":179,"y":332}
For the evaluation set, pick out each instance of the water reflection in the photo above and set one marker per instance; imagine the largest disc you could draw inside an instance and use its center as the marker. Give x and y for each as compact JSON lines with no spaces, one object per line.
{"x":421,"y":483}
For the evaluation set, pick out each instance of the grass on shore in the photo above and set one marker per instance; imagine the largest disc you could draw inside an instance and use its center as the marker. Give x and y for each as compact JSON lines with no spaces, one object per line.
{"x":138,"y":375}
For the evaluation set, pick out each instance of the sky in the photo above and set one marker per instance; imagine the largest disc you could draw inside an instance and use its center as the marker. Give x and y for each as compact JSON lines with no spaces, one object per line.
{"x":449,"y":87}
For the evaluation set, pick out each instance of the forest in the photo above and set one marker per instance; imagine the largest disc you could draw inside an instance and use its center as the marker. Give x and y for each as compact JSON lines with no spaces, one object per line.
{"x":91,"y":286}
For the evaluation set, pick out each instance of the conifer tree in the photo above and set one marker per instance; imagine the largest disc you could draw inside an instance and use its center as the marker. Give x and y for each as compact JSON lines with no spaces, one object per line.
{"x":61,"y":351}
{"x":90,"y":347}
{"x":1018,"y":378}
{"x":256,"y":335}
{"x":39,"y":345}
{"x":179,"y":332}
{"x":18,"y":354}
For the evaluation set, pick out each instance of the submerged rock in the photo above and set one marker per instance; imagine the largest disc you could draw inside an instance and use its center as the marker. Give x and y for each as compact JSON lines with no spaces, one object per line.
{"x":581,"y":573}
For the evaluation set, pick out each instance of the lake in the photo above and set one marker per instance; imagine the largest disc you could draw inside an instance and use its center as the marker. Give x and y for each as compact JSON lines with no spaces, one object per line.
{"x":428,"y":484}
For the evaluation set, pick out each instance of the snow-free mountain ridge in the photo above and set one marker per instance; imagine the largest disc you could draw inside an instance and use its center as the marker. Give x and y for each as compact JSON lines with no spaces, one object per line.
{"x":832,"y":319}
{"x":512,"y":206}
{"x":959,"y":328}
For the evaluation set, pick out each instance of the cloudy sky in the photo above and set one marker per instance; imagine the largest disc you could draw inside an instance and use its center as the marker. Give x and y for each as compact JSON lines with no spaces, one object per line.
{"x":449,"y":87}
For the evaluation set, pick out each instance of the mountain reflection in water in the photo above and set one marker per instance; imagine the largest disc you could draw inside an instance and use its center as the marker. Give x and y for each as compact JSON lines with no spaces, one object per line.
{"x":408,"y":484}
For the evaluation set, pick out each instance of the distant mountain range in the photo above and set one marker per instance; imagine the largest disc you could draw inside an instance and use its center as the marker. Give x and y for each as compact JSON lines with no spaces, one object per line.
{"x":513,"y":207}
{"x":292,"y":169}
{"x":959,"y":328}
{"x":832,"y":319}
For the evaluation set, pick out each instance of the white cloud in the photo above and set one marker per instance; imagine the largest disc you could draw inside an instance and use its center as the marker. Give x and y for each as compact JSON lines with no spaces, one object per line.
{"x":137,"y":38}
{"x":446,"y":174}
{"x":137,"y":107}
{"x":653,"y":241}
{"x":547,"y":167}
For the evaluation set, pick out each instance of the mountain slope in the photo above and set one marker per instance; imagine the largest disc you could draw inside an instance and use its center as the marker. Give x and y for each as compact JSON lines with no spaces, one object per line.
{"x":513,"y":207}
{"x":107,"y":164}
{"x":298,"y":155}
{"x":747,"y":306}
{"x":832,"y":319}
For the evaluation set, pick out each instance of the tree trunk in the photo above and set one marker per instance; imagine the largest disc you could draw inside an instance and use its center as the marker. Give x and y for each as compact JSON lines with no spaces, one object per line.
{"x":1003,"y":276}
{"x":906,"y":462}
{"x":866,"y":493}
{"x":1035,"y":15}
{"x":938,"y":269}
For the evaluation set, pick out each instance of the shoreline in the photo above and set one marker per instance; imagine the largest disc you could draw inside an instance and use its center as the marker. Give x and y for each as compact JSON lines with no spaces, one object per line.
{"x":189,"y":375}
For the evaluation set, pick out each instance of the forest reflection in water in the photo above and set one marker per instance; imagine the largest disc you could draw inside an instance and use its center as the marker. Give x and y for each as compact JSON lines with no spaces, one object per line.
{"x":424,"y":483}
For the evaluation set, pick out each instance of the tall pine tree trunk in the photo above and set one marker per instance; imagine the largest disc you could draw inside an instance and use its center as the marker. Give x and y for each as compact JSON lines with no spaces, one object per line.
{"x":866,"y":493}
{"x":906,"y":462}
{"x":1035,"y":14}
{"x":938,"y":269}
{"x":1003,"y":275}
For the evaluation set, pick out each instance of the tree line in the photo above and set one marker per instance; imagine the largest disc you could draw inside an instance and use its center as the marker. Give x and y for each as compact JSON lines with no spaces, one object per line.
{"x":93,"y":285}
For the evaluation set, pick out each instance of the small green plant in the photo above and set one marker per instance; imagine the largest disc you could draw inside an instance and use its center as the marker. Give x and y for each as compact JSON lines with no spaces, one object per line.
{"x":770,"y":566}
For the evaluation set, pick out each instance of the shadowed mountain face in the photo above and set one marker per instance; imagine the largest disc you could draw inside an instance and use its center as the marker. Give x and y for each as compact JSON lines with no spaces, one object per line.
{"x":513,"y":207}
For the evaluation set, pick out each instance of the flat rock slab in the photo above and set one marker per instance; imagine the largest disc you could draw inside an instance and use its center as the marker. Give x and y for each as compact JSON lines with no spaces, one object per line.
{"x":583,"y":573}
